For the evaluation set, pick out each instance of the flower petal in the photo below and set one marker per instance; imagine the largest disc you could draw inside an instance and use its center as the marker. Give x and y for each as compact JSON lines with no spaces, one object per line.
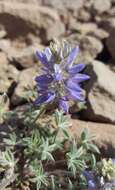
{"x":76,"y":68}
{"x":91,"y":185}
{"x":44,"y":79}
{"x":73,"y":85}
{"x":45,"y":98}
{"x":80,"y":77}
{"x":74,"y":95}
{"x":63,"y":105}
{"x":42,"y":58}
{"x":57,"y":72}
{"x":48,"y":53}
{"x":72,"y":56}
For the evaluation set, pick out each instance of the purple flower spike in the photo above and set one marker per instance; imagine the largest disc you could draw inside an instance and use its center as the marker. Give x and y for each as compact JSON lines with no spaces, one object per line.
{"x":62,"y":79}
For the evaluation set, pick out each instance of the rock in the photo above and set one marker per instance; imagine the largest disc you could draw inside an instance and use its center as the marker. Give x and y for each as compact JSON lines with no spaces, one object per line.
{"x":19,"y":55}
{"x":25,"y":82}
{"x":8,"y":73}
{"x":100,"y":93}
{"x":84,"y":15}
{"x":5,"y":45}
{"x":2,"y":33}
{"x":83,"y":28}
{"x":55,"y":30}
{"x":90,"y":47}
{"x":100,"y":33}
{"x":111,"y":43}
{"x":104,"y":133}
{"x":24,"y":57}
{"x":65,"y":4}
{"x":29,"y":18}
{"x":89,"y":28}
{"x":102,"y":5}
{"x":107,"y":23}
{"x":4,"y":106}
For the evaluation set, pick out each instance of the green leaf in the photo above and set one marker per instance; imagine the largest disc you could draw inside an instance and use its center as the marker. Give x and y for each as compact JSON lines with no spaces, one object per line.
{"x":70,"y":185}
{"x":61,"y":120}
{"x":39,"y":178}
{"x":93,"y":148}
{"x":93,"y":161}
{"x":84,"y":135}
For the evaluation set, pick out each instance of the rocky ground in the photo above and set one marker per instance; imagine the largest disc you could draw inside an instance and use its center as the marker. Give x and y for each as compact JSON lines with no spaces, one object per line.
{"x":27,"y":25}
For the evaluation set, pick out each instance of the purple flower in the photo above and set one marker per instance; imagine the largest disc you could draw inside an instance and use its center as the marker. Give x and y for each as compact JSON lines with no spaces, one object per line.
{"x":90,"y":180}
{"x":113,"y":160}
{"x":61,"y":79}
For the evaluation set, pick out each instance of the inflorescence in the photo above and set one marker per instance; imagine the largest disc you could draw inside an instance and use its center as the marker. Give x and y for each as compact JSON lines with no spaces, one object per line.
{"x":61,"y":80}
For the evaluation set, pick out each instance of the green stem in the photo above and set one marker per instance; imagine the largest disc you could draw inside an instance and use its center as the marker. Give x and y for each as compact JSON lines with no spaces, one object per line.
{"x":42,"y":110}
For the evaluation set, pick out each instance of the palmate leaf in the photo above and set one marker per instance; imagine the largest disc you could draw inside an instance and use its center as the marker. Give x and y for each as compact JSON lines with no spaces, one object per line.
{"x":47,"y":149}
{"x":7,"y":159}
{"x":87,"y":143}
{"x":12,"y":140}
{"x":32,"y":142}
{"x":39,"y":178}
{"x":74,"y":158}
{"x":61,"y":120}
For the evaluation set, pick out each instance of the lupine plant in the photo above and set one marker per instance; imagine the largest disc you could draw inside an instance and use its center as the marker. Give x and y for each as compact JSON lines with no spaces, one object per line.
{"x":38,"y":152}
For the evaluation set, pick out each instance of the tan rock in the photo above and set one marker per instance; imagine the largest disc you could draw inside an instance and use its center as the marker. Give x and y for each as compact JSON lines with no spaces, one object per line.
{"x":8,"y":73}
{"x":65,"y":4}
{"x":25,"y":82}
{"x":84,"y":15}
{"x":89,"y":28}
{"x":24,"y":57}
{"x":104,"y":133}
{"x":101,"y":94}
{"x":102,"y":5}
{"x":30,"y":17}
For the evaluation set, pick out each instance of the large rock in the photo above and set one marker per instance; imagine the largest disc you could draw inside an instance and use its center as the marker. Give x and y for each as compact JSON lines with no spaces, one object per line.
{"x":101,"y":94}
{"x":65,"y":4}
{"x":102,"y":5}
{"x":104,"y":133}
{"x":29,"y":17}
